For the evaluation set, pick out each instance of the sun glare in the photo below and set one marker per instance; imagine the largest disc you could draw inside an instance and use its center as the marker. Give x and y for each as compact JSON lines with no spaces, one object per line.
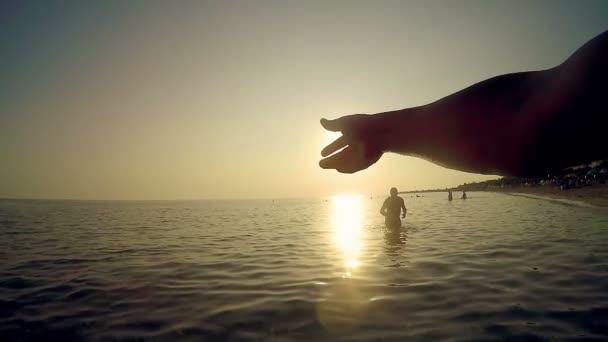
{"x":347,"y":228}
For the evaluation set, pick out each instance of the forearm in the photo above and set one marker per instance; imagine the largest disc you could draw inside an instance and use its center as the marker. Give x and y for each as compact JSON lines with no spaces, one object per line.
{"x":571,"y":116}
{"x":517,"y":124}
{"x":472,"y":130}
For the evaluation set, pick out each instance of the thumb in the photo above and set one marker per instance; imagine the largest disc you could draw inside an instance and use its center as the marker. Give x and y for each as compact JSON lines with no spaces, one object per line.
{"x":332,"y":125}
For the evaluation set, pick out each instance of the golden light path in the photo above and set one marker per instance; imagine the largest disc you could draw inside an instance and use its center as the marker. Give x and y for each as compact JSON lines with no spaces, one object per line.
{"x":343,"y":303}
{"x":347,"y":224}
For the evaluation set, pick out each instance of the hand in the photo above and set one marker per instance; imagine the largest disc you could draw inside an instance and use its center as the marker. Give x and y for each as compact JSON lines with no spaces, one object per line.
{"x":359,"y":146}
{"x":521,"y":124}
{"x":403,"y":215}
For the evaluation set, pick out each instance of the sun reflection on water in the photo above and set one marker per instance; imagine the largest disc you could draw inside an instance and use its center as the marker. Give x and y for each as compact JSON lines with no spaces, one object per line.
{"x":347,"y":223}
{"x":343,"y":302}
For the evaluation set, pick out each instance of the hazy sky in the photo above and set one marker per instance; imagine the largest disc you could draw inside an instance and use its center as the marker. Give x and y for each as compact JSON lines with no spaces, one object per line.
{"x":222,"y":99}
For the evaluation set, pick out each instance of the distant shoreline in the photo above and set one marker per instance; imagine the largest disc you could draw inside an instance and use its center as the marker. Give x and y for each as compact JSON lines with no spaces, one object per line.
{"x":552,"y":199}
{"x":594,"y":195}
{"x":422,"y":191}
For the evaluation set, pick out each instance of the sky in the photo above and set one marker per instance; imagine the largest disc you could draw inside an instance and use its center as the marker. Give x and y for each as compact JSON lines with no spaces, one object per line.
{"x":222,"y":99}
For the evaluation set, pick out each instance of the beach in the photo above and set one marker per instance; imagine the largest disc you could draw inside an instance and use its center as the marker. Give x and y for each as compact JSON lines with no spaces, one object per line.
{"x":596,"y":195}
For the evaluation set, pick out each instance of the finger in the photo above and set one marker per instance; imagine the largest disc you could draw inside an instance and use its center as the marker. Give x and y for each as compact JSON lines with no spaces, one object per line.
{"x":334,"y":146}
{"x":355,"y":157}
{"x":333,"y":125}
{"x":343,"y":161}
{"x":347,"y":122}
{"x":333,"y":161}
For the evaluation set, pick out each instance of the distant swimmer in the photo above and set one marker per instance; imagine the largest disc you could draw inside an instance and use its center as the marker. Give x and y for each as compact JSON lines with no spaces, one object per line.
{"x":450,"y":195}
{"x":464,"y":195}
{"x":392,"y":208}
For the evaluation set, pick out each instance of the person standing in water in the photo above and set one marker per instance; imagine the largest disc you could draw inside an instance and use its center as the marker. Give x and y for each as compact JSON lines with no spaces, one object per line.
{"x":392,"y":208}
{"x":450,"y":195}
{"x":464,"y":195}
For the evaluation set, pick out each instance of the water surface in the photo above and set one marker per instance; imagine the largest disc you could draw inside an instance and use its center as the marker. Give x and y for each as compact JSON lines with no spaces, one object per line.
{"x":490,"y":267}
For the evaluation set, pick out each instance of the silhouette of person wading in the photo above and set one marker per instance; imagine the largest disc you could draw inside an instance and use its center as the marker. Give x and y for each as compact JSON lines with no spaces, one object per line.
{"x":391,"y":209}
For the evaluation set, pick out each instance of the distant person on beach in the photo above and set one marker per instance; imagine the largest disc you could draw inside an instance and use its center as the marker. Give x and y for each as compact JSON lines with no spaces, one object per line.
{"x":391,"y":208}
{"x":520,"y":124}
{"x":464,"y":195}
{"x":450,"y":195}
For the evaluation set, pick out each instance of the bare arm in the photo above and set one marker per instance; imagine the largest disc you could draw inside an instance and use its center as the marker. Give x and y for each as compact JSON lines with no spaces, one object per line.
{"x":403,"y":208}
{"x":526,"y":123}
{"x":383,"y":209}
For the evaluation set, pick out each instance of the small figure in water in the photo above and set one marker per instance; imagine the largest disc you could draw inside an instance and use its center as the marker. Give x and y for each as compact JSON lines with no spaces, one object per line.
{"x":391,"y":209}
{"x":464,"y":195}
{"x":450,"y":195}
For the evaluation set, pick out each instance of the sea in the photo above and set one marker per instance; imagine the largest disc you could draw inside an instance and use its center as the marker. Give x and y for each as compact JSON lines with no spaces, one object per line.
{"x":491,"y":267}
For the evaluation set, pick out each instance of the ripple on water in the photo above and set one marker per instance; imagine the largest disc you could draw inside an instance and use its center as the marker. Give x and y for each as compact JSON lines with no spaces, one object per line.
{"x":494,"y":267}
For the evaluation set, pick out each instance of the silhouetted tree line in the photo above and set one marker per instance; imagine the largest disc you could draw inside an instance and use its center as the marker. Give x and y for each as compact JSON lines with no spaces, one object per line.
{"x":577,"y":176}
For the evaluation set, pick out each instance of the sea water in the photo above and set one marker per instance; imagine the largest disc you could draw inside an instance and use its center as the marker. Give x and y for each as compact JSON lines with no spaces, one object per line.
{"x":493,"y":266}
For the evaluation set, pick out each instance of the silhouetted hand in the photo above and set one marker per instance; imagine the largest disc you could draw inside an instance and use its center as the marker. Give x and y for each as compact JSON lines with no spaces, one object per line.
{"x":522,"y":124}
{"x":358,"y":147}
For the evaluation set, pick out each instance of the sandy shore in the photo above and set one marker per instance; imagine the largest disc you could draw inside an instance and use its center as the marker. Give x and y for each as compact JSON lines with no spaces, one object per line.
{"x":596,"y":195}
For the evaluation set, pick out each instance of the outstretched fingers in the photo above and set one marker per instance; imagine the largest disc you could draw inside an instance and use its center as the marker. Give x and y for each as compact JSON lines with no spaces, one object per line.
{"x":352,"y":151}
{"x":353,"y":158}
{"x":334,"y":146}
{"x":341,"y":161}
